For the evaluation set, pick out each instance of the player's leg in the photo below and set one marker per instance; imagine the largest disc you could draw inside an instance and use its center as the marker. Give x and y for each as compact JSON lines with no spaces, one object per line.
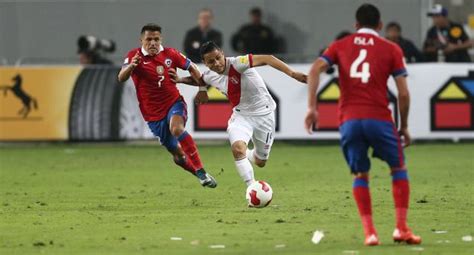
{"x":177,"y":119}
{"x":161,"y":131}
{"x":355,"y":149}
{"x":387,"y":146}
{"x":180,"y":159}
{"x":263,"y":137}
{"x":185,"y":140}
{"x":240,"y":132}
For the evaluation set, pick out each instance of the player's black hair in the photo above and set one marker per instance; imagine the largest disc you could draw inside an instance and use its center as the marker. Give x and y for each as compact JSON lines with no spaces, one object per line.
{"x":151,"y":27}
{"x":394,"y":24}
{"x":255,"y":11}
{"x":208,"y":47}
{"x":367,"y":15}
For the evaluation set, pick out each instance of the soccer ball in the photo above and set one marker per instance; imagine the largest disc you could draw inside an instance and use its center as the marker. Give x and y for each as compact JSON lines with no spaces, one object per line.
{"x":259,"y":194}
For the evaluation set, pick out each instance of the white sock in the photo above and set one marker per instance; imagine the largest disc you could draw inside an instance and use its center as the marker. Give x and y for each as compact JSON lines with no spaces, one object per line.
{"x":251,"y":156}
{"x":245,"y":170}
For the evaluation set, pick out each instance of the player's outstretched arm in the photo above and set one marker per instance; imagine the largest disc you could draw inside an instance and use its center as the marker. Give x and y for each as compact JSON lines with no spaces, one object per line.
{"x":127,"y":70}
{"x":311,"y":119}
{"x":201,"y":96}
{"x":188,"y":80}
{"x":196,"y":75}
{"x":260,"y":60}
{"x":404,"y":107}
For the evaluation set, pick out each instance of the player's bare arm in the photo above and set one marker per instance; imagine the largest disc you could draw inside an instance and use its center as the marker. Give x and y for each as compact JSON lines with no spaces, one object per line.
{"x":317,"y":68}
{"x":404,"y":105}
{"x":188,"y":80}
{"x":260,"y":60}
{"x":201,"y":96}
{"x":127,"y":70}
{"x":196,"y":75}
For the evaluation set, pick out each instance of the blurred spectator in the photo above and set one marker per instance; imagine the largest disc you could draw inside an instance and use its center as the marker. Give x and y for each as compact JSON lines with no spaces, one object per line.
{"x":446,"y":40}
{"x":255,"y":37}
{"x":200,"y":34}
{"x":91,"y":50}
{"x":393,"y":32}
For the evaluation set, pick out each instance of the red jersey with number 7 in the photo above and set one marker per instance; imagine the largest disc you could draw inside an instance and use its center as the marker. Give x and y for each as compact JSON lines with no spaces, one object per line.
{"x":365,"y":62}
{"x":156,"y":92}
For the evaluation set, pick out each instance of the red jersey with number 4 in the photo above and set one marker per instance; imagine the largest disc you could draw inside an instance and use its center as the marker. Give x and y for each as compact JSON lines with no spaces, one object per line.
{"x":156,"y":92}
{"x":365,"y":62}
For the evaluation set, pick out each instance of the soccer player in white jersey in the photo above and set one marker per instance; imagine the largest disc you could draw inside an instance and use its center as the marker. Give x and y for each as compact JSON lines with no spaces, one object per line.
{"x":253,"y":115}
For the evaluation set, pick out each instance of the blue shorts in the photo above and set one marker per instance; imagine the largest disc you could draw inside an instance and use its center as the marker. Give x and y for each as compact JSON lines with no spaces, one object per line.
{"x":161,"y":128}
{"x":358,"y":135}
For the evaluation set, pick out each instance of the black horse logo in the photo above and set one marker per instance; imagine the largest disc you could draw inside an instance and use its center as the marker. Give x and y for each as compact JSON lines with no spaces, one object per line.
{"x":18,"y":91}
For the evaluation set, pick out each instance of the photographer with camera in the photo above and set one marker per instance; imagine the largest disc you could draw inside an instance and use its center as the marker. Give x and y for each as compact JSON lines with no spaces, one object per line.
{"x":446,"y":41}
{"x":91,"y":50}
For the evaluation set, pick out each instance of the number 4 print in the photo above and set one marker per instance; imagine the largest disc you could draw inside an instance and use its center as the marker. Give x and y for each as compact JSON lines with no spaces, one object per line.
{"x":364,"y":75}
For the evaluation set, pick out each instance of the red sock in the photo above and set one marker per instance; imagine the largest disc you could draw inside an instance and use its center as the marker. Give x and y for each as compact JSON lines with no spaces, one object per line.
{"x":189,"y":147}
{"x":186,"y":164}
{"x":361,"y":194}
{"x":401,"y":196}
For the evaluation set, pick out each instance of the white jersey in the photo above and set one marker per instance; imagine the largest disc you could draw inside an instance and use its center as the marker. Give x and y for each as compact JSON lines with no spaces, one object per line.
{"x":243,"y":86}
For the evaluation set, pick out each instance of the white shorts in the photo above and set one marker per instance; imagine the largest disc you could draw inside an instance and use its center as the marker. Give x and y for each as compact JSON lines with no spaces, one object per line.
{"x":260,"y":129}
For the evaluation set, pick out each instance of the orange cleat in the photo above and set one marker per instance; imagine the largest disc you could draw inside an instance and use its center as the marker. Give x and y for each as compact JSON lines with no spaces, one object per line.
{"x":372,"y":240}
{"x":405,"y":236}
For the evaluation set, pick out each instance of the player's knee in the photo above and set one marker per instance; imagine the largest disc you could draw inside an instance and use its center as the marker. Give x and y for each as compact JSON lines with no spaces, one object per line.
{"x":239,"y":150}
{"x":176,"y":131}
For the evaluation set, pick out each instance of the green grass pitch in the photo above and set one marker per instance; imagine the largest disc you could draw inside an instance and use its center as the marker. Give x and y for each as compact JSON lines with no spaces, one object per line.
{"x":131,"y":199}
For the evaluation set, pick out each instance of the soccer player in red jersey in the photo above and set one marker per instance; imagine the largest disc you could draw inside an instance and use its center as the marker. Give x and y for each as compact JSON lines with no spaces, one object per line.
{"x":365,"y":62}
{"x":161,"y":104}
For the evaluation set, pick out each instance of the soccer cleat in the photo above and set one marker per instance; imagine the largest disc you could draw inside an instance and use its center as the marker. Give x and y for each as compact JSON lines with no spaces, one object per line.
{"x":405,"y":236}
{"x":372,"y":240}
{"x":207,"y":180}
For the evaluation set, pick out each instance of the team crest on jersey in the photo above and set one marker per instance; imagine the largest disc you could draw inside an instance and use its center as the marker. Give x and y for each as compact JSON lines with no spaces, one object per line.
{"x":168,"y":62}
{"x":234,"y":80}
{"x":160,"y":70}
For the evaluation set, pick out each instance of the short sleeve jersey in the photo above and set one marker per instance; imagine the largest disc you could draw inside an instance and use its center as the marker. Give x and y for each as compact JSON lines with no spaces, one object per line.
{"x":156,"y":92}
{"x":365,"y":62}
{"x":243,"y":86}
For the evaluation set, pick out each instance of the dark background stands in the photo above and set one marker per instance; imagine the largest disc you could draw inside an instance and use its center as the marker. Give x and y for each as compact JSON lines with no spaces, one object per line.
{"x":393,"y":32}
{"x":200,"y":34}
{"x":446,"y":39}
{"x":255,"y":37}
